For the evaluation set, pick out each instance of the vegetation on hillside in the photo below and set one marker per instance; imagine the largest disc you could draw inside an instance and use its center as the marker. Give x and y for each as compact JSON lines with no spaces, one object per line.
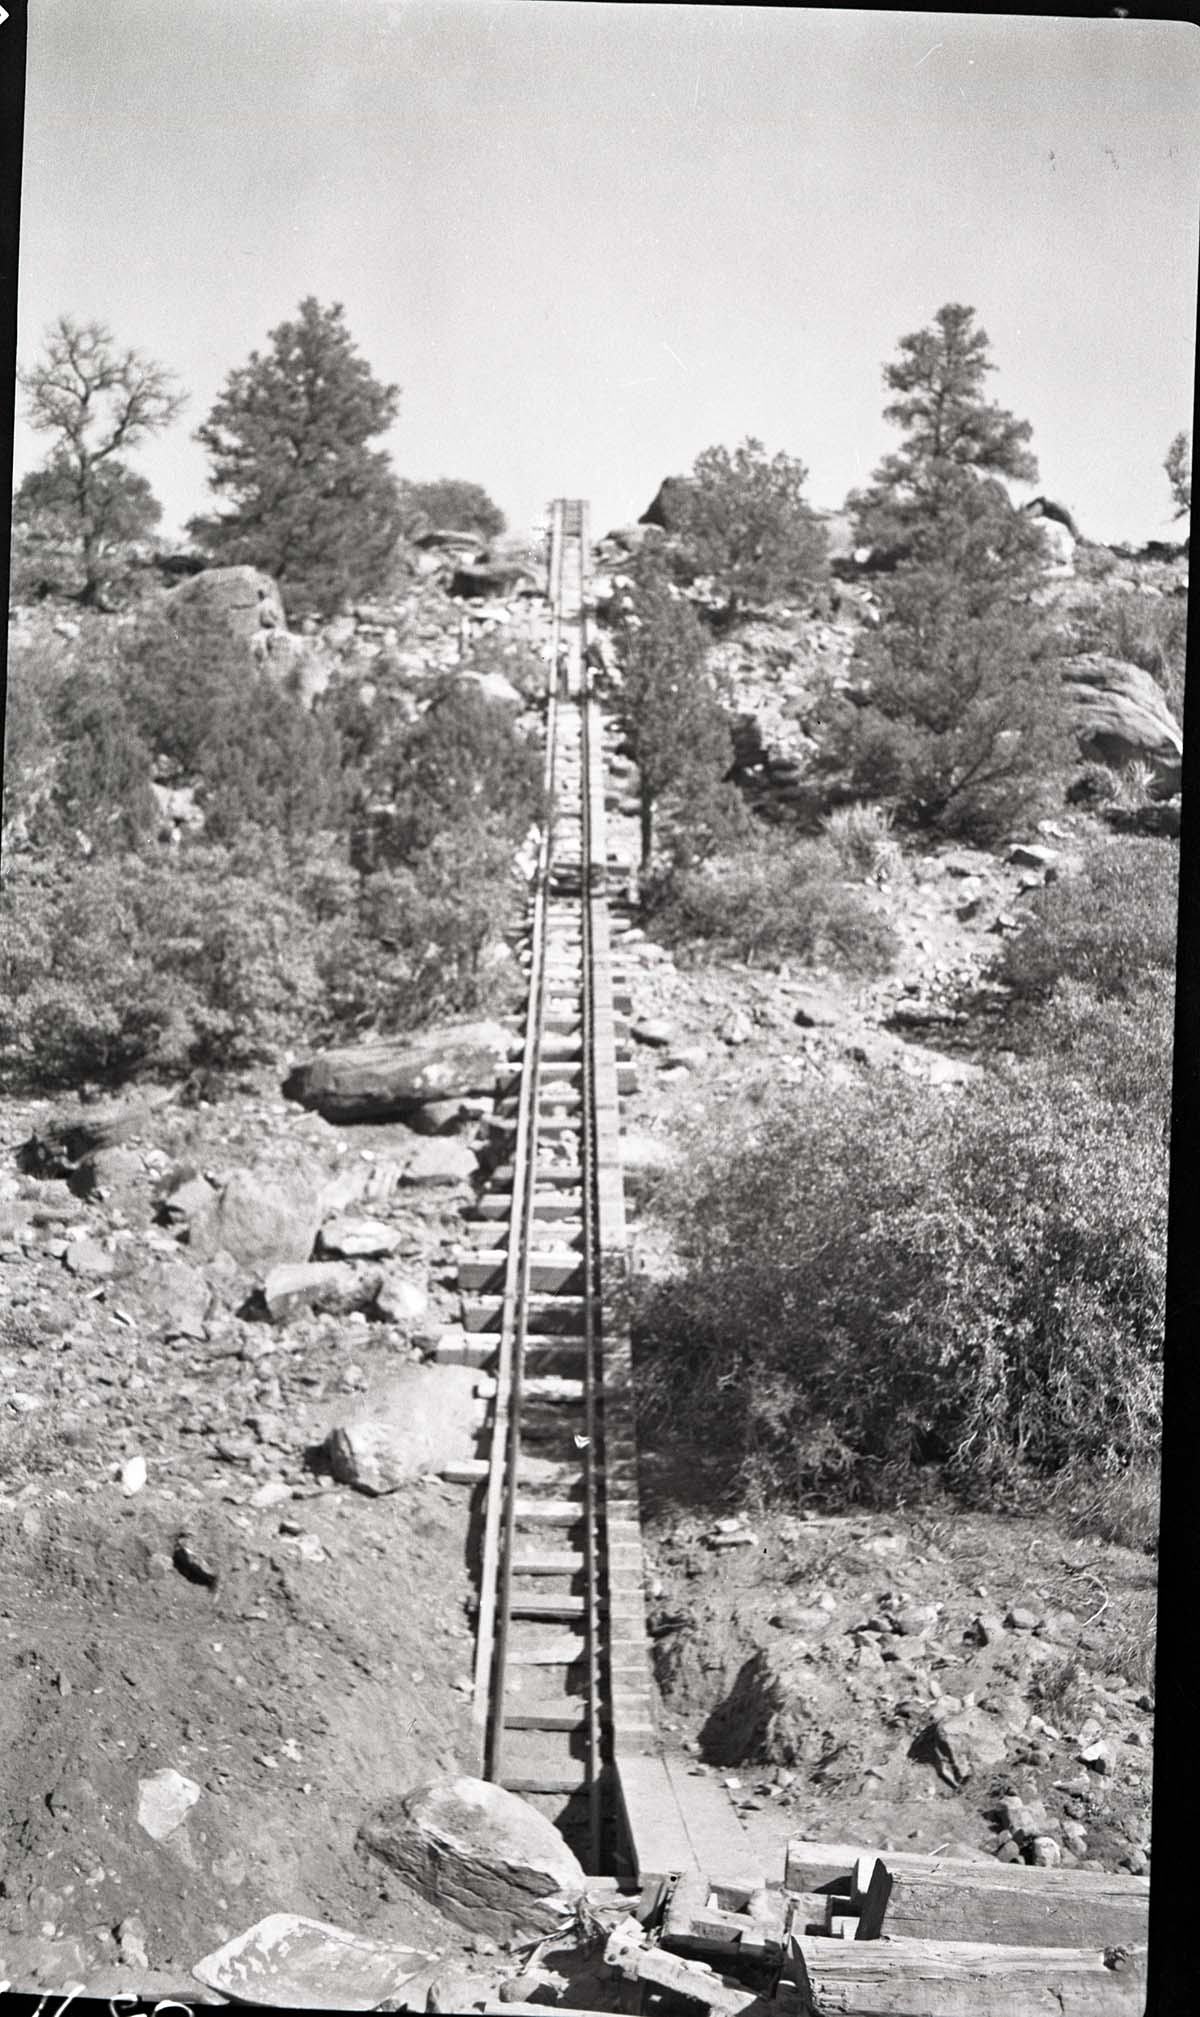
{"x":449,"y":503}
{"x":890,"y":1286}
{"x":354,"y":868}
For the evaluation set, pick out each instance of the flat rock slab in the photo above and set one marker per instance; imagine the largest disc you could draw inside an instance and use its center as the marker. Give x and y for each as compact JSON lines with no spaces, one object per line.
{"x":334,"y":1287}
{"x":289,"y":1963}
{"x":386,"y":1079}
{"x":436,"y":1160}
{"x":482,"y":1855}
{"x":359,"y":1239}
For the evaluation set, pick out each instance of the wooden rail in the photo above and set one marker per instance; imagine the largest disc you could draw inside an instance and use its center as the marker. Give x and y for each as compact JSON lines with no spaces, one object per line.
{"x":554,"y":1705}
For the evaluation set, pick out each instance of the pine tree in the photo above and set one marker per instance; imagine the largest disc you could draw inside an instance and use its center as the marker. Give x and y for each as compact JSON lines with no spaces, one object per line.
{"x":951,"y":430}
{"x":311,"y":502}
{"x":964,"y":727}
{"x":675,"y":727}
{"x":86,"y":506}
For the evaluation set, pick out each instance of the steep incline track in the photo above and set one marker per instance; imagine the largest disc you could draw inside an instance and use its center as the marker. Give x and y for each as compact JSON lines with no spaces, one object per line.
{"x":562,"y":1676}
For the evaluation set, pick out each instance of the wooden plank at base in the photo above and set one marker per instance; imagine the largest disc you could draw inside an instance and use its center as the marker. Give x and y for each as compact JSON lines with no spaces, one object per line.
{"x":676,"y":1824}
{"x":1010,"y":1903}
{"x":718,"y":1839}
{"x":946,"y":1978}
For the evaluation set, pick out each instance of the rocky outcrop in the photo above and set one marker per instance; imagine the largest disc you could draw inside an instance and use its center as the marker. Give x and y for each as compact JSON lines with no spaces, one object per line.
{"x":1057,"y":514}
{"x":1121,"y":716}
{"x":482,"y":1855}
{"x":658,"y":511}
{"x":387,"y":1078}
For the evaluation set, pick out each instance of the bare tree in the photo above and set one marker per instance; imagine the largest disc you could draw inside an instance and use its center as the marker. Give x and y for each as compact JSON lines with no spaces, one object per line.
{"x":97,"y":401}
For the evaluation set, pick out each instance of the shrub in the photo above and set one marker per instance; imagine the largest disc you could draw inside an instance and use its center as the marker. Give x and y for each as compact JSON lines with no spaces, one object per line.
{"x":419,"y":940}
{"x":894,"y":1280}
{"x":773,"y":900}
{"x":261,"y":758}
{"x":144,"y":964}
{"x":1112,"y":929}
{"x":463,"y":764}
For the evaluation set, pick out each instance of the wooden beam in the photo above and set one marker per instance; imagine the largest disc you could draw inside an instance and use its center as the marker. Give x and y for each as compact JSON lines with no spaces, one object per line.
{"x":1010,"y":1903}
{"x":696,"y":1922}
{"x":943,"y":1978}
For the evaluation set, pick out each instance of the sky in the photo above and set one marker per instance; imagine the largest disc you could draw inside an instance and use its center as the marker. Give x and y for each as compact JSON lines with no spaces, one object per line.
{"x":589,"y":241}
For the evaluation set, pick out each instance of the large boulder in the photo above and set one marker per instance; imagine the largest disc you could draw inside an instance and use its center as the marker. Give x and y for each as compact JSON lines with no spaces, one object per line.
{"x":422,"y":1421}
{"x":336,"y":1288}
{"x":659,"y":511}
{"x":1121,"y":716}
{"x":241,"y":600}
{"x":260,"y":1218}
{"x":482,"y":1855}
{"x":388,"y":1078}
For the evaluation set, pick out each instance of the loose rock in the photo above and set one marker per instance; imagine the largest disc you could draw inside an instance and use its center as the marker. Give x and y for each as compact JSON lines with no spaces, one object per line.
{"x":482,"y":1855}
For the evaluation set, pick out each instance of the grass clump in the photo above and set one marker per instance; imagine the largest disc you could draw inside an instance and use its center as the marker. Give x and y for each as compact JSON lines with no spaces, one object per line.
{"x":861,"y":837}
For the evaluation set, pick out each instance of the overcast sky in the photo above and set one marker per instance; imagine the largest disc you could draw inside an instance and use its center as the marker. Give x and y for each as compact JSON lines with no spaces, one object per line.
{"x":589,"y":241}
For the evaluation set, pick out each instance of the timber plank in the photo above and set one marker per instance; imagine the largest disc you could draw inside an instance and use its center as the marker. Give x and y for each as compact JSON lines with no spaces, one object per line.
{"x":943,"y":1978}
{"x":1011,"y":1903}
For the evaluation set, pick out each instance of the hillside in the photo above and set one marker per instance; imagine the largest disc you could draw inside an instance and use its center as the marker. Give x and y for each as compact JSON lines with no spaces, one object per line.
{"x":187,"y":1585}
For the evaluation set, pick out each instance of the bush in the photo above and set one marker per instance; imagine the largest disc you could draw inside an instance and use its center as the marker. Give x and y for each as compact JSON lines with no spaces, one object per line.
{"x":1111,"y":929}
{"x":463,"y":764}
{"x":262,"y":759}
{"x":774,"y":900}
{"x":163,"y":965}
{"x":420,"y":939}
{"x":896,"y":1281}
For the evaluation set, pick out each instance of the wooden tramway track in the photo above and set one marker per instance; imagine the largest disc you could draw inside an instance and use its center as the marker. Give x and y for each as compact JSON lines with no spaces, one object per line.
{"x":562,"y":1678}
{"x":560,"y":1646}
